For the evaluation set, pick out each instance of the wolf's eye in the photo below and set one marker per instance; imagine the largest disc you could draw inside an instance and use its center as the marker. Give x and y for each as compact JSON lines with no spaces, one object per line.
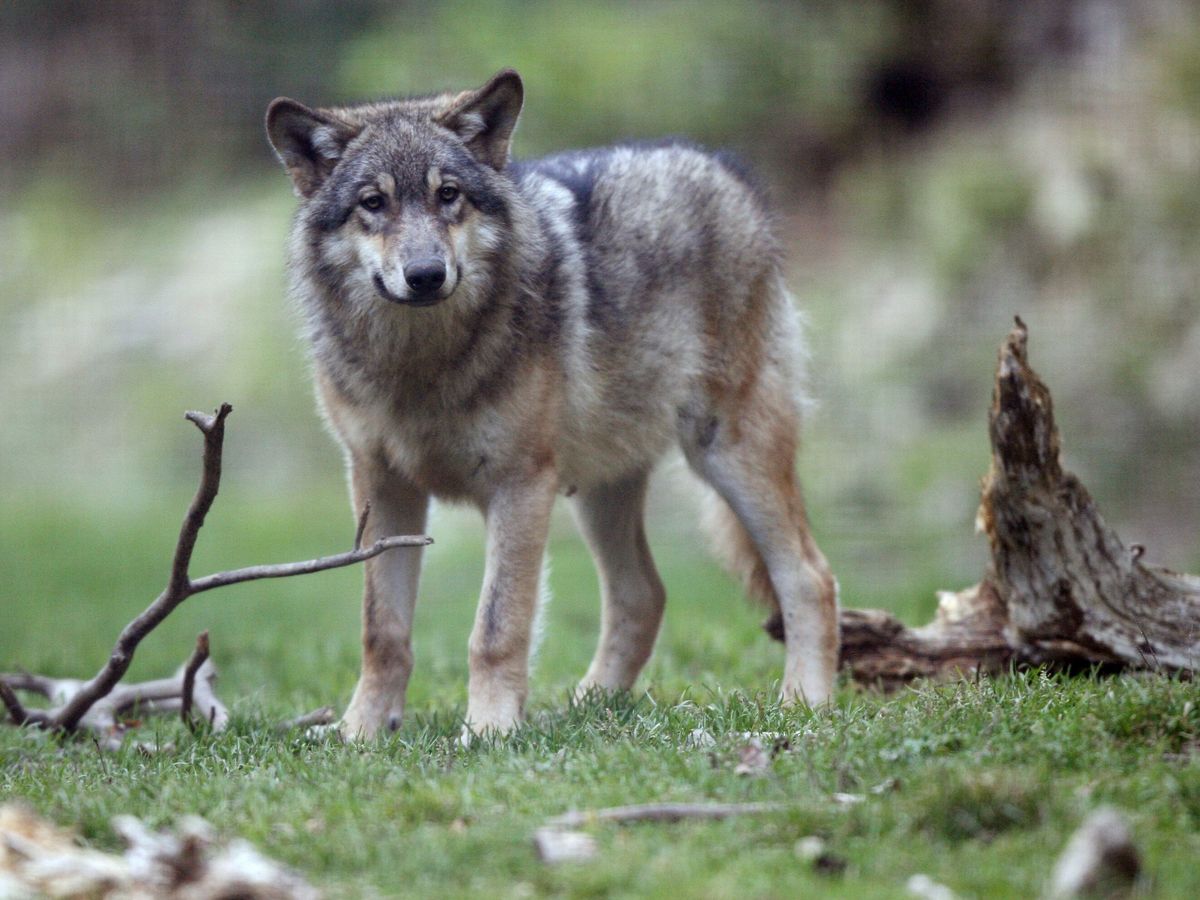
{"x":447,"y":193}
{"x":372,"y":202}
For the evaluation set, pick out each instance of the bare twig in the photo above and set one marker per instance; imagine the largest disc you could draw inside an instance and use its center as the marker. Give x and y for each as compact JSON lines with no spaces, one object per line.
{"x":205,"y":697}
{"x":663,"y":812}
{"x":362,"y":524}
{"x":103,"y":697}
{"x":199,"y":655}
{"x":323,"y":716}
{"x":308,"y":566}
{"x":41,"y":685}
{"x":160,"y":695}
{"x":16,"y":709}
{"x":213,"y":428}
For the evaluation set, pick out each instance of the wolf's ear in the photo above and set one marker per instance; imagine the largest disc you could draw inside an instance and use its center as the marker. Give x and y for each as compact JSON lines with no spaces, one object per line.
{"x":307,"y":141}
{"x":485,"y":119}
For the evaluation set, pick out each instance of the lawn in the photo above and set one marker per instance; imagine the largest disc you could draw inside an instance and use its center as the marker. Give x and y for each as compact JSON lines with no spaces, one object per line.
{"x":977,"y":785}
{"x":125,"y":299}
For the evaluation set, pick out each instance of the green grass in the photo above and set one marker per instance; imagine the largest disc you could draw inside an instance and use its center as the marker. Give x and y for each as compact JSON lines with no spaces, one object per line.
{"x":977,"y":785}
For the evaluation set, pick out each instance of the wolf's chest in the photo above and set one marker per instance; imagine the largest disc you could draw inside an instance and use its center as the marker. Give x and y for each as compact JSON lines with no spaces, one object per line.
{"x":450,"y":457}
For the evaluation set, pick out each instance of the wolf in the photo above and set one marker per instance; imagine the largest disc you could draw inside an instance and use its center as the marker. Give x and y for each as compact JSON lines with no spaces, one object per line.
{"x":500,"y":332}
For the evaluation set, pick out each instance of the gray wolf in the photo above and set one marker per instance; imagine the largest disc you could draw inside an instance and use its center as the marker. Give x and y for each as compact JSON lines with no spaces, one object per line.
{"x":501,"y":332}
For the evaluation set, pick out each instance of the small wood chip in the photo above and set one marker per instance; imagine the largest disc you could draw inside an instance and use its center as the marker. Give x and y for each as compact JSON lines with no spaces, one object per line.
{"x":842,"y":799}
{"x":813,"y":850}
{"x":925,"y":888}
{"x":1099,"y":859}
{"x":558,"y":845}
{"x":809,"y":848}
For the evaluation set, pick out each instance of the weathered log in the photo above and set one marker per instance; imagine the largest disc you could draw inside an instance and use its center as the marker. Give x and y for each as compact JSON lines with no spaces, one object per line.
{"x":966,"y":636}
{"x":1061,"y":589}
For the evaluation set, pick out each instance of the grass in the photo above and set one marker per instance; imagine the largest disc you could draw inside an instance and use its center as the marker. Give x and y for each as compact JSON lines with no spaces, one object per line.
{"x":977,"y":785}
{"x":114,"y":318}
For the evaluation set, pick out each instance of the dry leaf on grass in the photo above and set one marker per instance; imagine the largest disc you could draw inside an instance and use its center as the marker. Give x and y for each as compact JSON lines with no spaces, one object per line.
{"x":752,"y":759}
{"x":39,"y":859}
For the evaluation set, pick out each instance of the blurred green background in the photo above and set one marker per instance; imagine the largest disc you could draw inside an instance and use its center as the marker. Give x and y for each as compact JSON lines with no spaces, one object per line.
{"x":937,"y":168}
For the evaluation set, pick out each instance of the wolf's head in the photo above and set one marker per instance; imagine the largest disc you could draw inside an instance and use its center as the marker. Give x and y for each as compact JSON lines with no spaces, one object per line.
{"x":398,"y":197}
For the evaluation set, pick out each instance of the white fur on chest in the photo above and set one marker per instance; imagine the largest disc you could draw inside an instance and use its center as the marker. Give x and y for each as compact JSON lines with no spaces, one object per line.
{"x":448,"y":456}
{"x":459,"y":456}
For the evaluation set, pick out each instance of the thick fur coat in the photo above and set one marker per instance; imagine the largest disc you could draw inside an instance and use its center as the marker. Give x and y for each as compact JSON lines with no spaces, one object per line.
{"x":502,"y":332}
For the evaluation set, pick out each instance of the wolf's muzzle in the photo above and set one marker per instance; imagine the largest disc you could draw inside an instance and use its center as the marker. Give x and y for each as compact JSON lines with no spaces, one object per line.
{"x":424,"y":298}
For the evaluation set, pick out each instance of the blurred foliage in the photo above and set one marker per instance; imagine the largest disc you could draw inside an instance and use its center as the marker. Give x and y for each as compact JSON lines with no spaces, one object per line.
{"x":131,"y":91}
{"x":752,"y":74}
{"x":940,"y":166}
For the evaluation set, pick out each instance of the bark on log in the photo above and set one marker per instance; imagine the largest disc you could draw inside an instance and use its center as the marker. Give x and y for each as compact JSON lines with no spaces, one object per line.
{"x":1061,"y":588}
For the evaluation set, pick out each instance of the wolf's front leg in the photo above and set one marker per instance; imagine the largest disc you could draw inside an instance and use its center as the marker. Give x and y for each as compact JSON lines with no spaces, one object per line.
{"x":518,"y":519}
{"x":397,"y":507}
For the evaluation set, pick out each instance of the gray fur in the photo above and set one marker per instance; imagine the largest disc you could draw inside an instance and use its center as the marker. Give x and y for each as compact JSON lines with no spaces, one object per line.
{"x":599,"y":307}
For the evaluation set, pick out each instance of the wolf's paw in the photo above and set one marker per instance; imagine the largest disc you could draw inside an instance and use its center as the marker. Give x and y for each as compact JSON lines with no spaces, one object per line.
{"x":474,"y":730}
{"x":815,"y":698}
{"x":584,"y":690}
{"x":357,"y":726}
{"x":321,"y":732}
{"x":592,"y":691}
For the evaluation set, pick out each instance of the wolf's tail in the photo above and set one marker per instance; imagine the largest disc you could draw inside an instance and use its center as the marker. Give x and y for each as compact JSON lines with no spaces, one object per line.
{"x":736,"y":551}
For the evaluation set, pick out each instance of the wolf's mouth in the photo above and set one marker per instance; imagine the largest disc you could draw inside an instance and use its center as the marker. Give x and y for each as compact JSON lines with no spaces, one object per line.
{"x":430,"y":299}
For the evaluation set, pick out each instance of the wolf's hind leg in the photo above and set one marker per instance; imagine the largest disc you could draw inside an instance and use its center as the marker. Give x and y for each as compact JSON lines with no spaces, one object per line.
{"x":389,"y":595}
{"x":747,"y":453}
{"x":611,"y":520}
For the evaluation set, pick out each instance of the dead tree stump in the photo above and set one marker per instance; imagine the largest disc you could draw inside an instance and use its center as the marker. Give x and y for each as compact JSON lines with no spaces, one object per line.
{"x":1061,"y":589}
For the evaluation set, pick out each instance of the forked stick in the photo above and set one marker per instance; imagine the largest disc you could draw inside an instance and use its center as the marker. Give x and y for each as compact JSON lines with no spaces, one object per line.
{"x":80,"y":699}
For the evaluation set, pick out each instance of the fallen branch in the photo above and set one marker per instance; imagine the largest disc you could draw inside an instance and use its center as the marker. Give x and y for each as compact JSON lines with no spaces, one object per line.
{"x":1061,"y":588}
{"x":558,"y":842}
{"x":107,"y":716}
{"x":97,"y":703}
{"x":662,"y":812}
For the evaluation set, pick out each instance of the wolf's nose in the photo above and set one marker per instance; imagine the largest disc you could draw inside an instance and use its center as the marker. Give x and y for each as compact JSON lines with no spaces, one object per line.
{"x":425,"y":275}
